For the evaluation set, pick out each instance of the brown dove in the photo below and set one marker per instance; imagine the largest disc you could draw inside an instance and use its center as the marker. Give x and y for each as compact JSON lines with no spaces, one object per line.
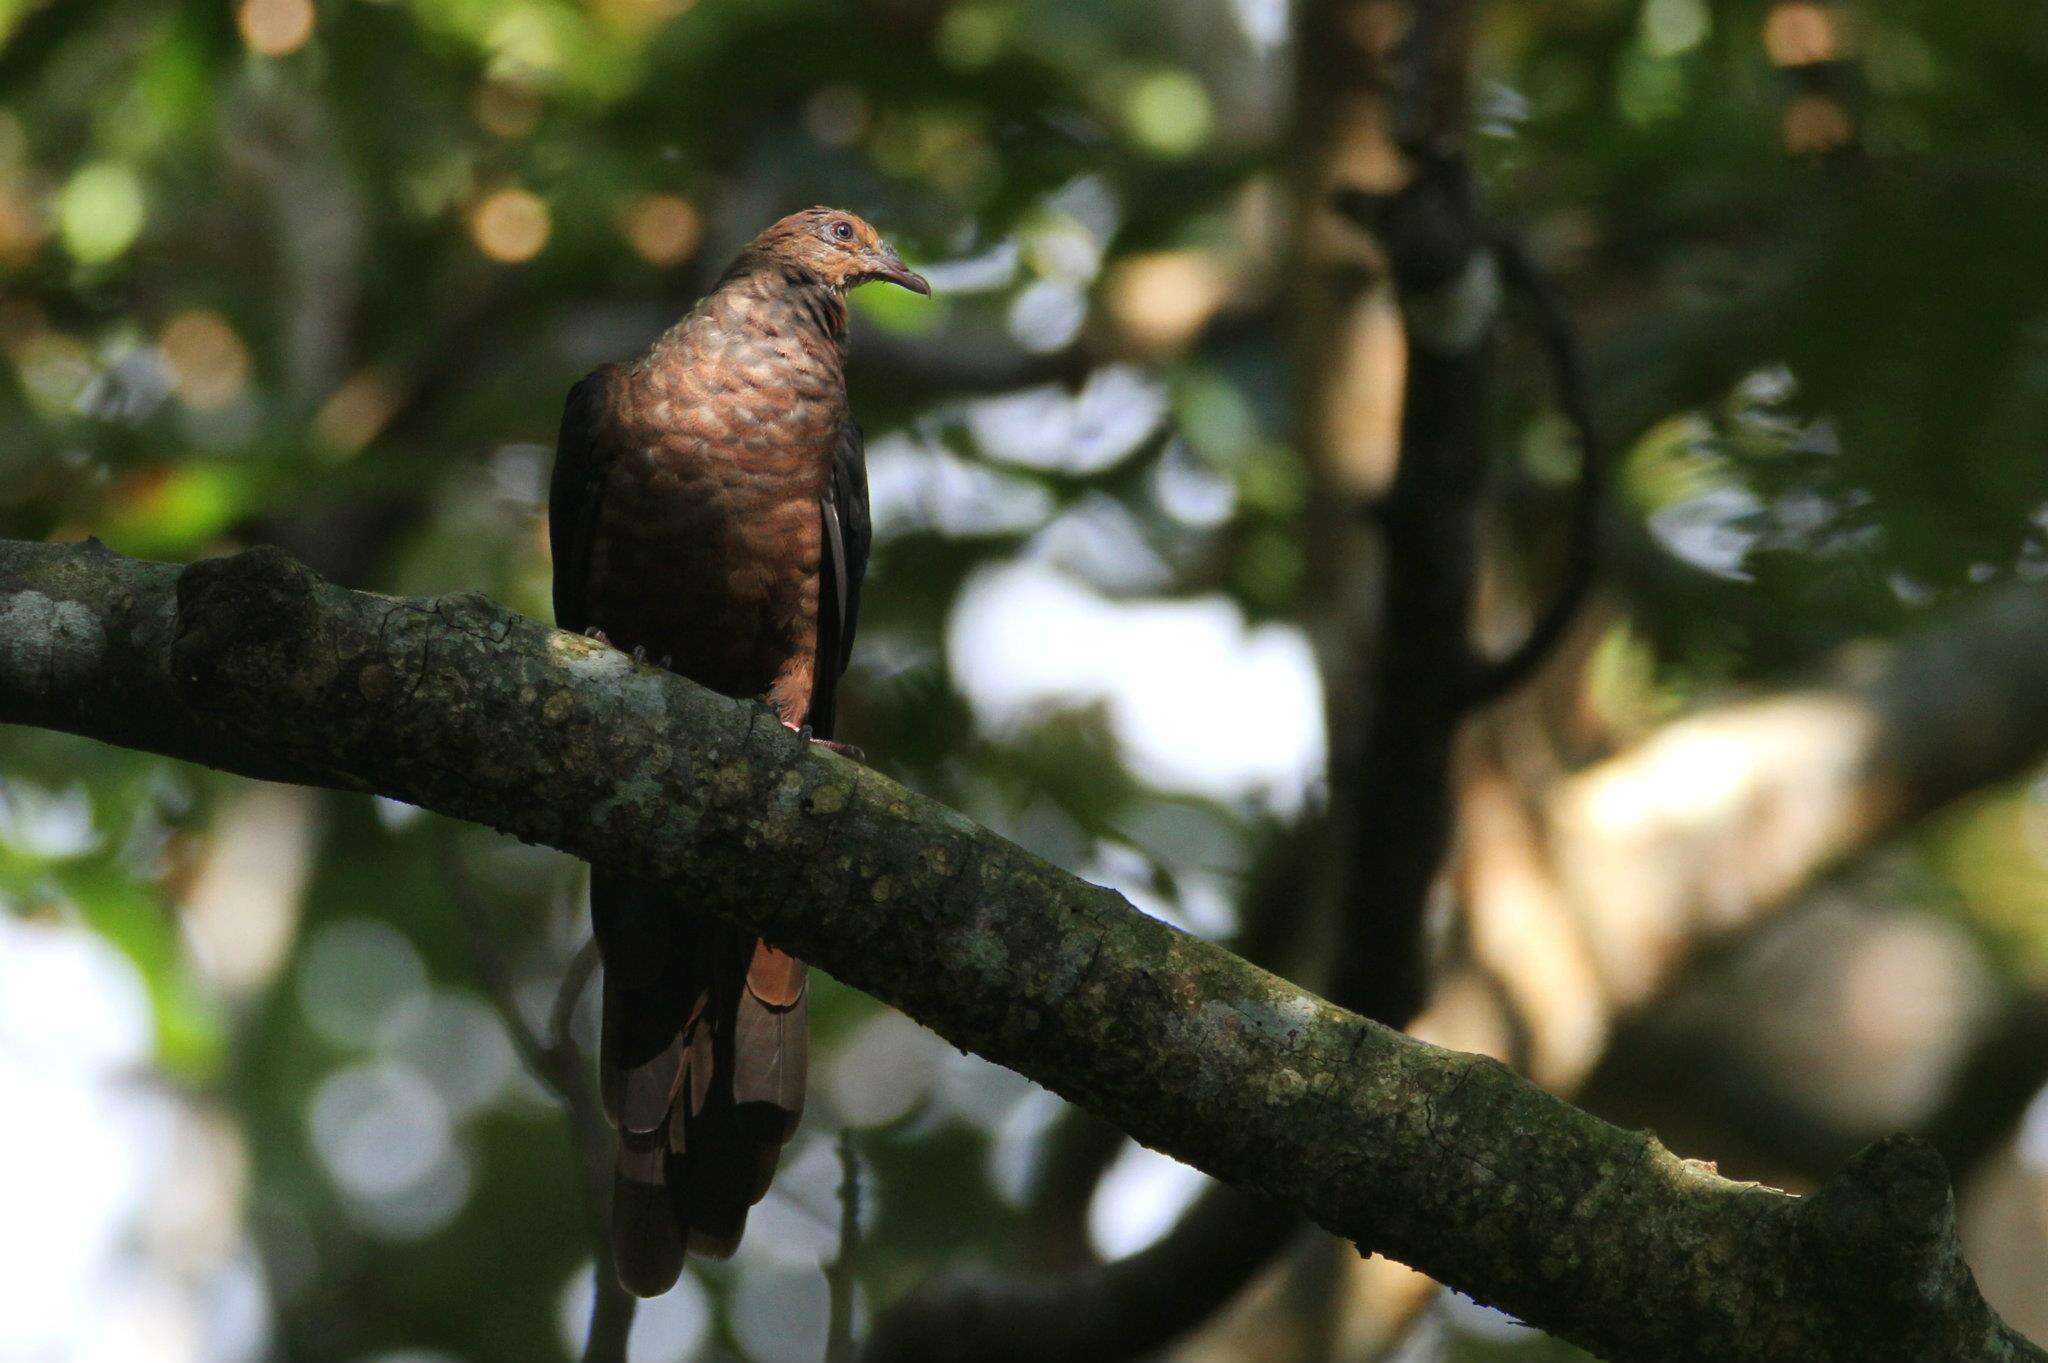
{"x":709,"y":510}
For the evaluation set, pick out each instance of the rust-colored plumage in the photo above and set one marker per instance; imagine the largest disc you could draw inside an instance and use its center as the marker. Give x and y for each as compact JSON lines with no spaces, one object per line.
{"x":709,"y":509}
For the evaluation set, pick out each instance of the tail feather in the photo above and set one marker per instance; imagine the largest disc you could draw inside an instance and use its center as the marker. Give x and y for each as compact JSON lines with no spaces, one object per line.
{"x":647,"y":1244}
{"x":640,"y":1081}
{"x":700,"y":1066}
{"x":646,"y":986}
{"x":703,"y":1061}
{"x":714,"y":1182}
{"x":772,"y":1039}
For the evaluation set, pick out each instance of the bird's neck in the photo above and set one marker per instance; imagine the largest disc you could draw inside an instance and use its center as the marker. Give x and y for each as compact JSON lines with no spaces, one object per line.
{"x":819,"y":305}
{"x":765,"y":319}
{"x":774,"y":299}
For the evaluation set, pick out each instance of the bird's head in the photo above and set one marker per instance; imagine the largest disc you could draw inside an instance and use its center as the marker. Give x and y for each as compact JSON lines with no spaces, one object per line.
{"x":838,"y":248}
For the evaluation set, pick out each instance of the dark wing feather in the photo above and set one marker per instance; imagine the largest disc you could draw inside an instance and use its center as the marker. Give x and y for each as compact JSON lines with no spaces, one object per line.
{"x":848,"y":534}
{"x":647,"y":962}
{"x":582,"y":459}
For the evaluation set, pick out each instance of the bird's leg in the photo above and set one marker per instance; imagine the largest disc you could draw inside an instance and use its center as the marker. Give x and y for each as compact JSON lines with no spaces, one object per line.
{"x":595,"y":633}
{"x":639,"y":653}
{"x":843,"y":749}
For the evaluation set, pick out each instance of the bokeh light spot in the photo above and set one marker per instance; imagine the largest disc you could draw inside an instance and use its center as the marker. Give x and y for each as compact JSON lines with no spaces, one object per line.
{"x":972,"y":36}
{"x":663,"y":228}
{"x":1800,"y":34}
{"x":355,"y":976}
{"x":797,"y":1223}
{"x":44,"y":823}
{"x":1814,"y":124}
{"x":1168,"y":112}
{"x":55,"y":369}
{"x":666,"y":1329}
{"x":209,"y":364}
{"x":45,"y":971}
{"x":241,"y":907}
{"x":276,"y":28}
{"x":1141,"y":1195}
{"x":1082,"y":433}
{"x":525,"y":43}
{"x":1162,"y":299}
{"x":354,"y":413}
{"x":510,"y":225}
{"x":1024,"y":639}
{"x":779,"y":1312}
{"x":2030,"y":1141}
{"x":456,"y":1044}
{"x":1674,"y":26}
{"x":920,"y":485}
{"x":1064,"y":250}
{"x":1191,"y":491}
{"x":1047,"y":315}
{"x":385,"y":1138}
{"x":379,"y":1128}
{"x":100,"y":212}
{"x":884,"y":1070}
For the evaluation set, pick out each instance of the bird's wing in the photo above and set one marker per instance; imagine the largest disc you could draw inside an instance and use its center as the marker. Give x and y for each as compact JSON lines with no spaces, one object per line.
{"x":844,"y":509}
{"x":582,"y":459}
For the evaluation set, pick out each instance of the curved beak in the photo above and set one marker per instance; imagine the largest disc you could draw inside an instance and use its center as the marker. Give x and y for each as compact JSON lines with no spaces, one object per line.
{"x":887,"y":265}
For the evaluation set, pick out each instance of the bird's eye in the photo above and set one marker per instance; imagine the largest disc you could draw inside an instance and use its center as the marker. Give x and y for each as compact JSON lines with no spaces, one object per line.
{"x":843,"y":230}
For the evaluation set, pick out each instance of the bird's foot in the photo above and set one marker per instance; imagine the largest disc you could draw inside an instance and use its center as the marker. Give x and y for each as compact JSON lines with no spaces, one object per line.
{"x":595,"y":633}
{"x":832,"y":745}
{"x":639,"y":653}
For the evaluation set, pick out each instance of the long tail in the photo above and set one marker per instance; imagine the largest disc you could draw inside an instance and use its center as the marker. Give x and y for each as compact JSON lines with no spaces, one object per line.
{"x":704,"y":1051}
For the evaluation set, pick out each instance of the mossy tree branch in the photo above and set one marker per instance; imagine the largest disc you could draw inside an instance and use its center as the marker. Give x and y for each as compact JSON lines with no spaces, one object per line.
{"x":1445,"y":1161}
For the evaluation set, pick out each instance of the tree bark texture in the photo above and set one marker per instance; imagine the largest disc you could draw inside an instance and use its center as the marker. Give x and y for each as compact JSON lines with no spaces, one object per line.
{"x":1446,"y":1161}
